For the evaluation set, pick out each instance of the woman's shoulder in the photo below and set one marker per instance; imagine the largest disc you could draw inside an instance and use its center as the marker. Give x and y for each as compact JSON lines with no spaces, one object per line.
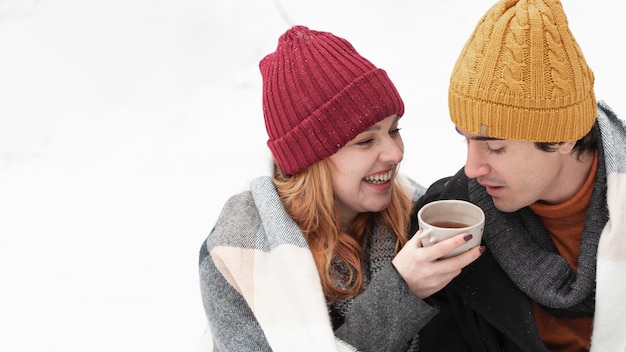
{"x":237,"y":222}
{"x":241,"y":217}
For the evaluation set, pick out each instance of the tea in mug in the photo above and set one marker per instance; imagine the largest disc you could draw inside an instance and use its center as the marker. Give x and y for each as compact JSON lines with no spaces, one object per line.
{"x":449,"y":224}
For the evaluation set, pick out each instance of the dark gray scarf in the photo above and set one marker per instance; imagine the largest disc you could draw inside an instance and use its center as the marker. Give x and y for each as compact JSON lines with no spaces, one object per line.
{"x":523,"y":247}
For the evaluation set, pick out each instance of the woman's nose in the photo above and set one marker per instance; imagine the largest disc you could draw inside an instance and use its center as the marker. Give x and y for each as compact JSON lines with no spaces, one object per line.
{"x":393,"y":151}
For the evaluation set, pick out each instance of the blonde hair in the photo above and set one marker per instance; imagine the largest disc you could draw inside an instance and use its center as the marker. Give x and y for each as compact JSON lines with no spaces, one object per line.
{"x":309,"y":199}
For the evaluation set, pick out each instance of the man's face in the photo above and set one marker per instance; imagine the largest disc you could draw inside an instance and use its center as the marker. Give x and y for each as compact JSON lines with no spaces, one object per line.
{"x":516,"y":173}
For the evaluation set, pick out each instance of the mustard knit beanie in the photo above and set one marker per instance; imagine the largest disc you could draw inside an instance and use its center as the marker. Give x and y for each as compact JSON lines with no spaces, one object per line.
{"x":522,"y":76}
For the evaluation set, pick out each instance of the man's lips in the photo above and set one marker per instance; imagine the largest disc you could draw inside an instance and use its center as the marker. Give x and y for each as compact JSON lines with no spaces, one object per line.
{"x":491,"y":188}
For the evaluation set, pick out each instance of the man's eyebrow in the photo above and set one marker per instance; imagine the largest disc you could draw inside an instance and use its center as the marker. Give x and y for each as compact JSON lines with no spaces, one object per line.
{"x":478,"y":138}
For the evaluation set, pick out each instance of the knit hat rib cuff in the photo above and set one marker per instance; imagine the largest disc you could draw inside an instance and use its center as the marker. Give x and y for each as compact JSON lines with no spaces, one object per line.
{"x":568,"y":123}
{"x":369,"y":99}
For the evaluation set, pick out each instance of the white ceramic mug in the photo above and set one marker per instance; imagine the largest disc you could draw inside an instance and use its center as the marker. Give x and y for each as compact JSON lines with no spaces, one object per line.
{"x":443,"y":219}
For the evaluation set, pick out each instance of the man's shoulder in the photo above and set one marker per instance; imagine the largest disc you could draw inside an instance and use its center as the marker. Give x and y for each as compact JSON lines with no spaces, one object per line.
{"x":454,"y":186}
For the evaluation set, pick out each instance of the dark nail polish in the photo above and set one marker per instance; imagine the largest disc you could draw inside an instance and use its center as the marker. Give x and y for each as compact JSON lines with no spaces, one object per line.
{"x":468,"y":237}
{"x":482,"y":249}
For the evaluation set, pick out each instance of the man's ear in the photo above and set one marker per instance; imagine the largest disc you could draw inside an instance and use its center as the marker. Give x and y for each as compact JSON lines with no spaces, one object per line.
{"x":566,"y":147}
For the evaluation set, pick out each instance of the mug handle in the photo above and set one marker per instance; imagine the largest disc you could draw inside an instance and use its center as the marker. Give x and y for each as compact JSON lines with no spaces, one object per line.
{"x":426,"y":238}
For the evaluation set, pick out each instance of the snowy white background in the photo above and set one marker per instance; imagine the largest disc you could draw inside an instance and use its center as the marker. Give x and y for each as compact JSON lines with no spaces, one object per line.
{"x":125,"y":125}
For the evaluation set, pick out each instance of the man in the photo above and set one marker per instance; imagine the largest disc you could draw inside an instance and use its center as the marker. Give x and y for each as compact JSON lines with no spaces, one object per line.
{"x":547,"y":164}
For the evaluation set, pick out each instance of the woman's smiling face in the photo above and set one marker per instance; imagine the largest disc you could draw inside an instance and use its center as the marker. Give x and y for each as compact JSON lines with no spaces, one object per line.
{"x":363,"y":170}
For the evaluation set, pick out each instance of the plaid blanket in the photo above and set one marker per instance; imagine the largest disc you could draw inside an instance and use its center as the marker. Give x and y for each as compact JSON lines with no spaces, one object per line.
{"x":610,"y":315}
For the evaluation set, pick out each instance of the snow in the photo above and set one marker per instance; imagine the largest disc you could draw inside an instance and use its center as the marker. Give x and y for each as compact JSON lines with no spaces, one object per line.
{"x":126,"y":124}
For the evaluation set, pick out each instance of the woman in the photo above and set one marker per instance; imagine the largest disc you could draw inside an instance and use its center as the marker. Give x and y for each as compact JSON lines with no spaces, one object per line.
{"x":317,"y":257}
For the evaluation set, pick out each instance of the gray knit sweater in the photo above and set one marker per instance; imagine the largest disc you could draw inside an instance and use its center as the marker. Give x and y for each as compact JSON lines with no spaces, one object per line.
{"x":261,"y":291}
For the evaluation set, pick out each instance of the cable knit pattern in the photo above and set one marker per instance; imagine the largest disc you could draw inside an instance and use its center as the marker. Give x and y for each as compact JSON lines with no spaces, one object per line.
{"x":512,"y":64}
{"x":561,"y":69}
{"x":521,"y":75}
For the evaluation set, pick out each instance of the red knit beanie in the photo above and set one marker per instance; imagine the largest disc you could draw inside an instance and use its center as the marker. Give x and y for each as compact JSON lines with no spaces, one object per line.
{"x":319,"y":94}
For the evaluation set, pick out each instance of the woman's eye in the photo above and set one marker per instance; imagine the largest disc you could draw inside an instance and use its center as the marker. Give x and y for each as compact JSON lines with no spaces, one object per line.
{"x":366,"y":142}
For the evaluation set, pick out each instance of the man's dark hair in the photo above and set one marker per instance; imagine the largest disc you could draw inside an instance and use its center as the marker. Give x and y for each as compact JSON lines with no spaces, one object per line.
{"x":586,"y":144}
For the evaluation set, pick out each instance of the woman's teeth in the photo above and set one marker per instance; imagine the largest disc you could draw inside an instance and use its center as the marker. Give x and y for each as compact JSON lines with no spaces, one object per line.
{"x":379,"y":179}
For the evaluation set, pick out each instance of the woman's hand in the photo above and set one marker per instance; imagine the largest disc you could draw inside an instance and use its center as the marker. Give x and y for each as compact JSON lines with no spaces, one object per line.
{"x":423,"y":269}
